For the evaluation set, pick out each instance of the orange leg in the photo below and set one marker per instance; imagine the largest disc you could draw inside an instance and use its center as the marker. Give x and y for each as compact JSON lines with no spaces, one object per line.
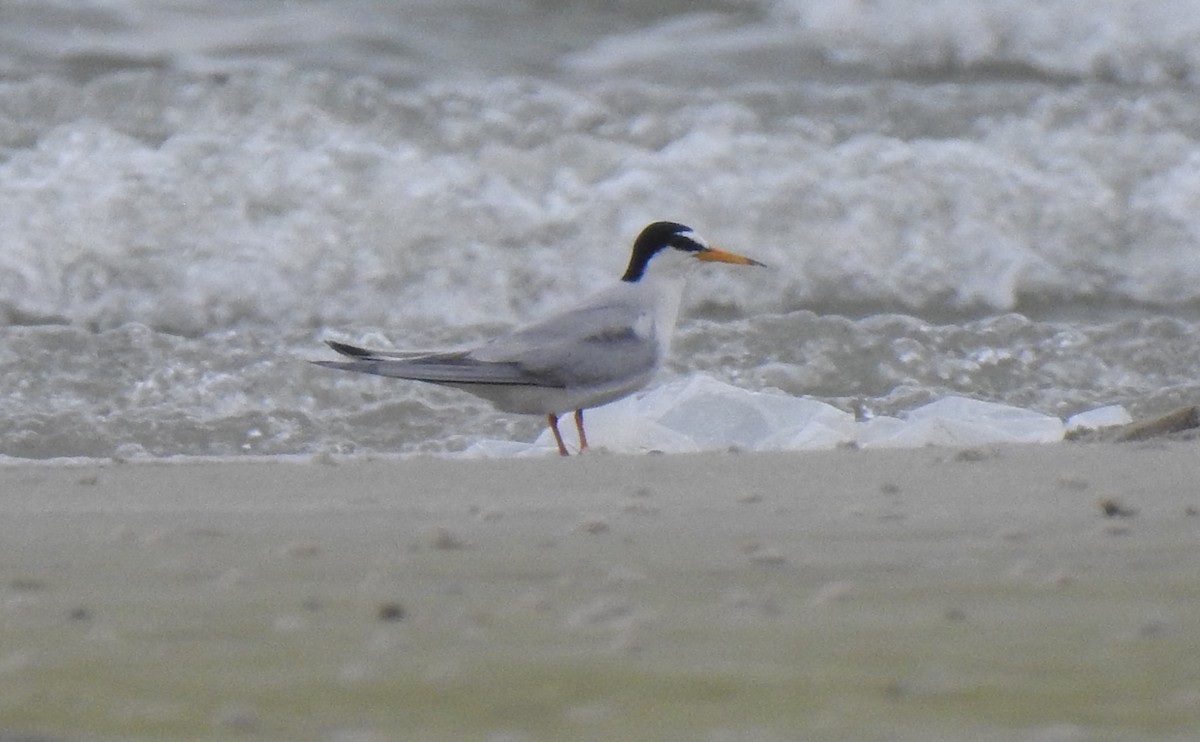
{"x":553,"y":420}
{"x":579,"y":427}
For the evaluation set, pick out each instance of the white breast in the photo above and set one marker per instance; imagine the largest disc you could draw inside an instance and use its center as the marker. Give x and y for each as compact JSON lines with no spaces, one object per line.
{"x":667,"y":295}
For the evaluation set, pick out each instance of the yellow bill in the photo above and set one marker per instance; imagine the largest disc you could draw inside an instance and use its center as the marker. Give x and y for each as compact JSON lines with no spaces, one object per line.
{"x":716,"y":255}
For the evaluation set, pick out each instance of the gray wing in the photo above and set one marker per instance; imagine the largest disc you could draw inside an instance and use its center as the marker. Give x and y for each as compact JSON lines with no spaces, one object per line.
{"x":594,"y":344}
{"x":445,"y":368}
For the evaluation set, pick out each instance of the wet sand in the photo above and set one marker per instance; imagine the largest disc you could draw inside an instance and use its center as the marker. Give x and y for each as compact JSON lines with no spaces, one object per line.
{"x":1013,"y":593}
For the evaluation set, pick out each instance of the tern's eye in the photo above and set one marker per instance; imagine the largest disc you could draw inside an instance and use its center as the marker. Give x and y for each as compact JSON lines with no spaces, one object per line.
{"x":687,"y":243}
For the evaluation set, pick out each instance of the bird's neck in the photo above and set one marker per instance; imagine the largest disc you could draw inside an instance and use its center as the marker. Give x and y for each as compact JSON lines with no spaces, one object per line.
{"x":668,"y":293}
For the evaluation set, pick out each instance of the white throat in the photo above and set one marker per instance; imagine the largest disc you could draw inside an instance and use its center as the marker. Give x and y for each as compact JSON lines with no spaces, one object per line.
{"x":668,"y":296}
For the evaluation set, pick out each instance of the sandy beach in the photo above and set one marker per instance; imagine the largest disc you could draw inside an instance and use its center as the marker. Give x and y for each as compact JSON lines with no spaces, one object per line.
{"x":1045,"y":592}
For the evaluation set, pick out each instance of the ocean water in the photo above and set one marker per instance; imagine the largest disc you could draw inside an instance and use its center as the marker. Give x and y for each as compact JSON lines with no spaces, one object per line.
{"x":997,"y":201}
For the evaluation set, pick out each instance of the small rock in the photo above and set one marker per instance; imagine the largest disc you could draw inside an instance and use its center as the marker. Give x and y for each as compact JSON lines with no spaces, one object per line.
{"x":593,"y":526}
{"x":27,"y":584}
{"x":443,"y":538}
{"x":1112,"y":508}
{"x":971,"y":455}
{"x":390,"y":612}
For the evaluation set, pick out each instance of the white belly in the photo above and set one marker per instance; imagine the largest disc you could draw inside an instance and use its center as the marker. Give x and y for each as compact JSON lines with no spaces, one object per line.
{"x":536,"y":400}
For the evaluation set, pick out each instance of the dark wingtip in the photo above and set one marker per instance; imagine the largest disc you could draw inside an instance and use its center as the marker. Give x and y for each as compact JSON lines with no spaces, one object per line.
{"x":348,"y":350}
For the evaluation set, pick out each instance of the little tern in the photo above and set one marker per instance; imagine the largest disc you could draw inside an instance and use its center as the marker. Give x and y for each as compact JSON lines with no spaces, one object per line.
{"x":601,"y":350}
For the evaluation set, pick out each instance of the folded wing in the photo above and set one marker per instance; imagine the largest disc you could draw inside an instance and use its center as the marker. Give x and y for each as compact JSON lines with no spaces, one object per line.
{"x":596,"y":344}
{"x":455,"y":367}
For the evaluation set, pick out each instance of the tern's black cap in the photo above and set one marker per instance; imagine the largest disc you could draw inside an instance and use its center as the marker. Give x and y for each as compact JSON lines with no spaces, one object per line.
{"x":656,"y":237}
